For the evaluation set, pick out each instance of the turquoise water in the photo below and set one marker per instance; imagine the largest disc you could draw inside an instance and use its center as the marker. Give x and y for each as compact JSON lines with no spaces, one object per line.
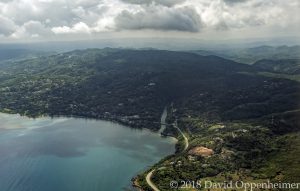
{"x":67,"y":154}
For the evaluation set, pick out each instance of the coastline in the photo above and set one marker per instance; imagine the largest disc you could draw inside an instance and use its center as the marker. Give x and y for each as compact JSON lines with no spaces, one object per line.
{"x":116,"y":119}
{"x":135,"y":184}
{"x":134,"y":181}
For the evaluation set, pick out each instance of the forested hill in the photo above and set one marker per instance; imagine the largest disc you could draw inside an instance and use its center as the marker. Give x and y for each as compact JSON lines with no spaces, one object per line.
{"x":133,"y":86}
{"x":284,"y":66}
{"x":246,"y":119}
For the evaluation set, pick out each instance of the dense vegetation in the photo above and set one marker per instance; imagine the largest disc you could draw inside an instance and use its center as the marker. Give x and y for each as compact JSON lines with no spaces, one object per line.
{"x":127,"y":85}
{"x":219,"y":104}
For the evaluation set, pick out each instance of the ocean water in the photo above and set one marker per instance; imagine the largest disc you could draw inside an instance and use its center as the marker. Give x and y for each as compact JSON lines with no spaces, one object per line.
{"x":68,"y":154}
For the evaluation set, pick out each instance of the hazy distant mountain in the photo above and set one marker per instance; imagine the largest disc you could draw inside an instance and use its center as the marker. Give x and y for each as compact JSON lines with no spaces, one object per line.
{"x":17,"y":54}
{"x":251,"y":55}
{"x":284,"y":66}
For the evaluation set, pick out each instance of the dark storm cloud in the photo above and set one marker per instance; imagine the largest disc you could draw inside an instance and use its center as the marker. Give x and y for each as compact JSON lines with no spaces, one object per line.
{"x":158,"y":18}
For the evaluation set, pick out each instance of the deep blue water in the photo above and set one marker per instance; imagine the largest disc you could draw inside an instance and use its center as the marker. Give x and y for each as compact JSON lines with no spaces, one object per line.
{"x":67,"y":154}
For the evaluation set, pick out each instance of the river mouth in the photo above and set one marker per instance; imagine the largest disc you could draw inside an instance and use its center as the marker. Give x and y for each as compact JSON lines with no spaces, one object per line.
{"x":65,"y":154}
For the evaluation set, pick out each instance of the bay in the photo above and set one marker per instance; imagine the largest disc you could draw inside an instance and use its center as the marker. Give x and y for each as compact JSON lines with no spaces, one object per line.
{"x":71,"y":154}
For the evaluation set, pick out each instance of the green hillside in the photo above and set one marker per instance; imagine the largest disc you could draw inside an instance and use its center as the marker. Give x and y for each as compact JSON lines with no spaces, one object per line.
{"x":219,"y":104}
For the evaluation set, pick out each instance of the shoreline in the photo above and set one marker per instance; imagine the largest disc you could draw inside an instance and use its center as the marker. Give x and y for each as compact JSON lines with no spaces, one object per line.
{"x":134,"y":180}
{"x":117,"y":120}
{"x":135,"y":184}
{"x":164,"y":115}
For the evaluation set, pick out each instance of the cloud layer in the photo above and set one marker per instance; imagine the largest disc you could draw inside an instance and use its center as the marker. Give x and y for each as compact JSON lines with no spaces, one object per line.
{"x":160,"y":18}
{"x":21,"y":19}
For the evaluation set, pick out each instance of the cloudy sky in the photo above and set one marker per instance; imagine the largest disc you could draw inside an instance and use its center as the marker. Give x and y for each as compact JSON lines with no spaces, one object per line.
{"x":29,"y":20}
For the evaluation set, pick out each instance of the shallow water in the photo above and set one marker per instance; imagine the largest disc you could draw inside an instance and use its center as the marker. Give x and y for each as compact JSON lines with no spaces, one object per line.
{"x":67,"y":154}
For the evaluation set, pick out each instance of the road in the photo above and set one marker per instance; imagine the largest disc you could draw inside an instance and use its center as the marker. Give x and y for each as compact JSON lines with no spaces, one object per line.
{"x":149,"y":182}
{"x":149,"y":175}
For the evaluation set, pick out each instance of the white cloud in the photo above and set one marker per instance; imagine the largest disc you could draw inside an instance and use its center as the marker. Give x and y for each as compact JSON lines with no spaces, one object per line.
{"x":7,"y":26}
{"x":168,"y":3}
{"x":44,"y":18}
{"x":30,"y":29}
{"x":76,"y":28}
{"x":160,"y":18}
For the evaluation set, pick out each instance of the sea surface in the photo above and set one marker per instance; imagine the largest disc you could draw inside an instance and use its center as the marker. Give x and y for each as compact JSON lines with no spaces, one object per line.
{"x":69,"y":154}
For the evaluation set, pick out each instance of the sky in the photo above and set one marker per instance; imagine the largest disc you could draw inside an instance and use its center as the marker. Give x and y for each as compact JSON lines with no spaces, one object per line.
{"x":50,"y":20}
